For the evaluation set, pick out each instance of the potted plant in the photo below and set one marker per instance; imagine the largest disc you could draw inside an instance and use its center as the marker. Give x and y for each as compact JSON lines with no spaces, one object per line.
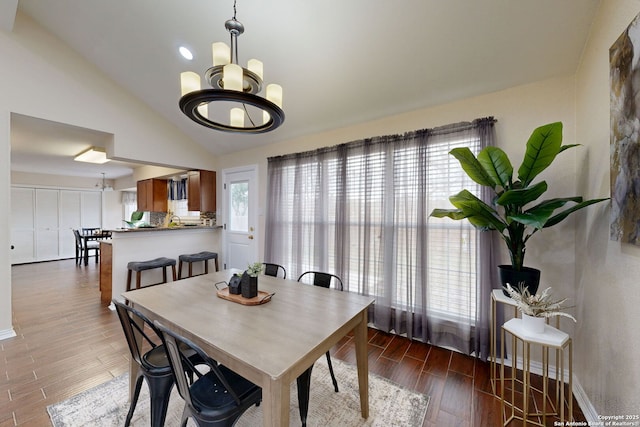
{"x":536,"y":308}
{"x":512,"y":212}
{"x":249,"y":287}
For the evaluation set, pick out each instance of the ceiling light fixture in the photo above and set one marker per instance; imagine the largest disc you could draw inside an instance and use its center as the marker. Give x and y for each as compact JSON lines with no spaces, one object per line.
{"x":232,"y":85}
{"x":185,"y":52}
{"x":92,"y":155}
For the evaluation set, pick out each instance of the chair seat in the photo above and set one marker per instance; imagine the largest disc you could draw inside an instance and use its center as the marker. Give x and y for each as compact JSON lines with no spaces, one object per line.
{"x":93,"y":244}
{"x":210,"y":396}
{"x":200,"y":256}
{"x":151,"y":264}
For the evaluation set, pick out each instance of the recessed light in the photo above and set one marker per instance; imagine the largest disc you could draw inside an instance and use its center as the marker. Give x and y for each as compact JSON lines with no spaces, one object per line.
{"x":186,"y":53}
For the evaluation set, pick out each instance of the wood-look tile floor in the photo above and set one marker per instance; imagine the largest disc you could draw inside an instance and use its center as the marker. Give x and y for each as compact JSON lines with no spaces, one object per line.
{"x":67,"y":342}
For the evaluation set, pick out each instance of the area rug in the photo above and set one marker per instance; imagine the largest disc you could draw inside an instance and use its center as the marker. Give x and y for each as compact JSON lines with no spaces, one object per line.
{"x":389,"y":404}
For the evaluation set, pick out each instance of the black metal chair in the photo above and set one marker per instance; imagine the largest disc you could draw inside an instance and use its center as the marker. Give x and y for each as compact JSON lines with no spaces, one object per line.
{"x":271,"y":269}
{"x":217,"y":398}
{"x":324,"y":280}
{"x":153,"y":363}
{"x":91,"y":245}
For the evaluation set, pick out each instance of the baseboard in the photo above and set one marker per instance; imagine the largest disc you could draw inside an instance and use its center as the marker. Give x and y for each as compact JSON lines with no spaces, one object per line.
{"x":7,"y":333}
{"x":579,"y":393}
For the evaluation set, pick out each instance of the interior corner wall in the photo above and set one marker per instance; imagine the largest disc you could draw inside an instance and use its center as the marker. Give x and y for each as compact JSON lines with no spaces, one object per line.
{"x":6,"y":327}
{"x":607,"y":341}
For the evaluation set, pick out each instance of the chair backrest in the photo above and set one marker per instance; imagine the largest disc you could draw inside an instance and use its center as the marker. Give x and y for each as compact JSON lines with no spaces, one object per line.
{"x":76,"y":234}
{"x":176,"y":345}
{"x":319,"y":278}
{"x":133,"y":323}
{"x":273,"y":270}
{"x":88,"y":231}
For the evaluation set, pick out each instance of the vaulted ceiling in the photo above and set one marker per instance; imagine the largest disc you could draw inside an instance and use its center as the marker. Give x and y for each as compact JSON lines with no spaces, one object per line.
{"x":339,"y":62}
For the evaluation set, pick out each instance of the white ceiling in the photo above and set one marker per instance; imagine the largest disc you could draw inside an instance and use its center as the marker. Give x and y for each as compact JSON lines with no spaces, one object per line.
{"x":339,"y":62}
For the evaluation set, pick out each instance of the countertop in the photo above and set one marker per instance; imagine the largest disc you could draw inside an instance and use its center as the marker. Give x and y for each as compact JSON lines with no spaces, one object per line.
{"x":182,"y":227}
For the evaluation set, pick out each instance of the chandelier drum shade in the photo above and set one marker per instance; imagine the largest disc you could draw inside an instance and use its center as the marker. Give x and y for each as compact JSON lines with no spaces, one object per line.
{"x":233,"y":104}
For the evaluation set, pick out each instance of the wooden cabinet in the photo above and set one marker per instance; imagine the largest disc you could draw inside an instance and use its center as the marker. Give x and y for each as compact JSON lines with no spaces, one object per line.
{"x":201,"y":191}
{"x":152,"y":195}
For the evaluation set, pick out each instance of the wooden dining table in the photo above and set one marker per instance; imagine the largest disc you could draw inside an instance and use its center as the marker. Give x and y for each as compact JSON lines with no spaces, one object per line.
{"x":271,"y":344}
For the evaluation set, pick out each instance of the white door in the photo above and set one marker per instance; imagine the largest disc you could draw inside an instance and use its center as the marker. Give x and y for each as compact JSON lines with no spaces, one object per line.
{"x":47,"y":224}
{"x":69,"y":221}
{"x":240,"y":216}
{"x":23,"y":230}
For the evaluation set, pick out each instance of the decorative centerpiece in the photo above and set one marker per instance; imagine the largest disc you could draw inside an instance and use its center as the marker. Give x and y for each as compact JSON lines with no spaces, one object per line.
{"x":249,"y":286}
{"x":536,"y":308}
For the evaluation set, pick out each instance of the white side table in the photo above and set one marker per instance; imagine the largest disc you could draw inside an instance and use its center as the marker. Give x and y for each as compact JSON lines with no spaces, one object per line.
{"x":551,"y":338}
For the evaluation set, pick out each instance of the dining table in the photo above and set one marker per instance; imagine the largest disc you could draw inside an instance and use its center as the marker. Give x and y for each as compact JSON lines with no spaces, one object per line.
{"x":93,"y":235}
{"x":272,"y":343}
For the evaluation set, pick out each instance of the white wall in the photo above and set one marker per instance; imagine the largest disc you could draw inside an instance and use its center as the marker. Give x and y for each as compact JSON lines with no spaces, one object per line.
{"x":607,"y":291}
{"x":43,"y":78}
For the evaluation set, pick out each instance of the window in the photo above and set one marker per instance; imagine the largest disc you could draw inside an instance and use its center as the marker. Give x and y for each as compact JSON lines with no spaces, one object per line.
{"x":361,"y":211}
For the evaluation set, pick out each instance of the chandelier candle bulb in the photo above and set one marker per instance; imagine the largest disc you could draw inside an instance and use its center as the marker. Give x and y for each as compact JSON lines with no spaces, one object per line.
{"x":274,"y":94}
{"x":255,"y":66}
{"x":237,"y":117}
{"x":221,"y":53}
{"x":189,"y":82}
{"x":232,"y":77}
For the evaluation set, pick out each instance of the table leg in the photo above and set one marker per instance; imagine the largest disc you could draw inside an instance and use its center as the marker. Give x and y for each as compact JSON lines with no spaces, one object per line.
{"x":275,"y":403}
{"x":362,"y":361}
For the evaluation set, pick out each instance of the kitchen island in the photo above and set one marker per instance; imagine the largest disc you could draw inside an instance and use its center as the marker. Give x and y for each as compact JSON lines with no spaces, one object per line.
{"x":143,"y":244}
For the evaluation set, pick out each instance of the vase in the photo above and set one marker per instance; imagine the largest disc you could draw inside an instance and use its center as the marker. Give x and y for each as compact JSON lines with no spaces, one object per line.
{"x":532,"y":324}
{"x":529,"y":277}
{"x":249,"y":286}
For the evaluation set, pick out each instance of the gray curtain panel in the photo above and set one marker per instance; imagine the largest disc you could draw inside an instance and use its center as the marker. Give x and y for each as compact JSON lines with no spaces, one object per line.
{"x":360,"y":210}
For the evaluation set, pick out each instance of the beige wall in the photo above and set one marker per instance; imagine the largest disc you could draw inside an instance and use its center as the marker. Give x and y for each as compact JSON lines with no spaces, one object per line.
{"x":607,"y":290}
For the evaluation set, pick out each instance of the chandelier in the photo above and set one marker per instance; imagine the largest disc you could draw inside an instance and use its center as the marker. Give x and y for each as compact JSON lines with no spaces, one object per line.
{"x":235,"y":89}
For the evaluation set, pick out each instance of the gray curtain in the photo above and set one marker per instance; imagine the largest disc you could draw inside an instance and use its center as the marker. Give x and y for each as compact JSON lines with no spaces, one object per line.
{"x":361,"y":210}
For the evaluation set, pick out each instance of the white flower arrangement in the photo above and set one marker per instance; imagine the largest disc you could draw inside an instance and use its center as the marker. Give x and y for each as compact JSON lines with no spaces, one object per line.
{"x":254,"y":269}
{"x":538,"y":305}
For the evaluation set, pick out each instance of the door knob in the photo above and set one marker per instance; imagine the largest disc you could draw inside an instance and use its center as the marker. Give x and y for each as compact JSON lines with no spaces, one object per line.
{"x":250,"y":237}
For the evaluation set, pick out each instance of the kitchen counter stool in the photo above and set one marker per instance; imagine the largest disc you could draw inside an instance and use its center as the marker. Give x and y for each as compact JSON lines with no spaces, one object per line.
{"x":200,"y":256}
{"x":140,"y":266}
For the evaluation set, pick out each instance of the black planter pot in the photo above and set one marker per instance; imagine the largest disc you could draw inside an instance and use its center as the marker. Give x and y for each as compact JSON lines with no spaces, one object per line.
{"x":528,"y":277}
{"x":249,"y":286}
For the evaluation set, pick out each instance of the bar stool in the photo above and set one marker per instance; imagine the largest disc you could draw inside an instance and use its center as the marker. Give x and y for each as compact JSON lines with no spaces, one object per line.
{"x":139,"y":266}
{"x":200,"y":256}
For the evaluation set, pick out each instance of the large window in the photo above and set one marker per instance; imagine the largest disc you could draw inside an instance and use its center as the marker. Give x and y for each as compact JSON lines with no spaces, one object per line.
{"x":361,"y":211}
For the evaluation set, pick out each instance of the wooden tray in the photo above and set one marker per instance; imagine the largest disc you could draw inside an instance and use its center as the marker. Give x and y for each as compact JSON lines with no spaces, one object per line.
{"x":262,"y":297}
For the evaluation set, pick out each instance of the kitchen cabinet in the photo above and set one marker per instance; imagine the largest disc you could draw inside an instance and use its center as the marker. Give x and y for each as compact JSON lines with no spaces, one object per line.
{"x":201,"y":191}
{"x":152,"y":195}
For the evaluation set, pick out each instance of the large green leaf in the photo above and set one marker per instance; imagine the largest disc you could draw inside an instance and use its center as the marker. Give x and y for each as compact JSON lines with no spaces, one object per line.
{"x":497,"y":165}
{"x":477,"y":212}
{"x":562,"y":215}
{"x":521,"y":197}
{"x":472,"y":167}
{"x":455,"y":214}
{"x":542,"y":147}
